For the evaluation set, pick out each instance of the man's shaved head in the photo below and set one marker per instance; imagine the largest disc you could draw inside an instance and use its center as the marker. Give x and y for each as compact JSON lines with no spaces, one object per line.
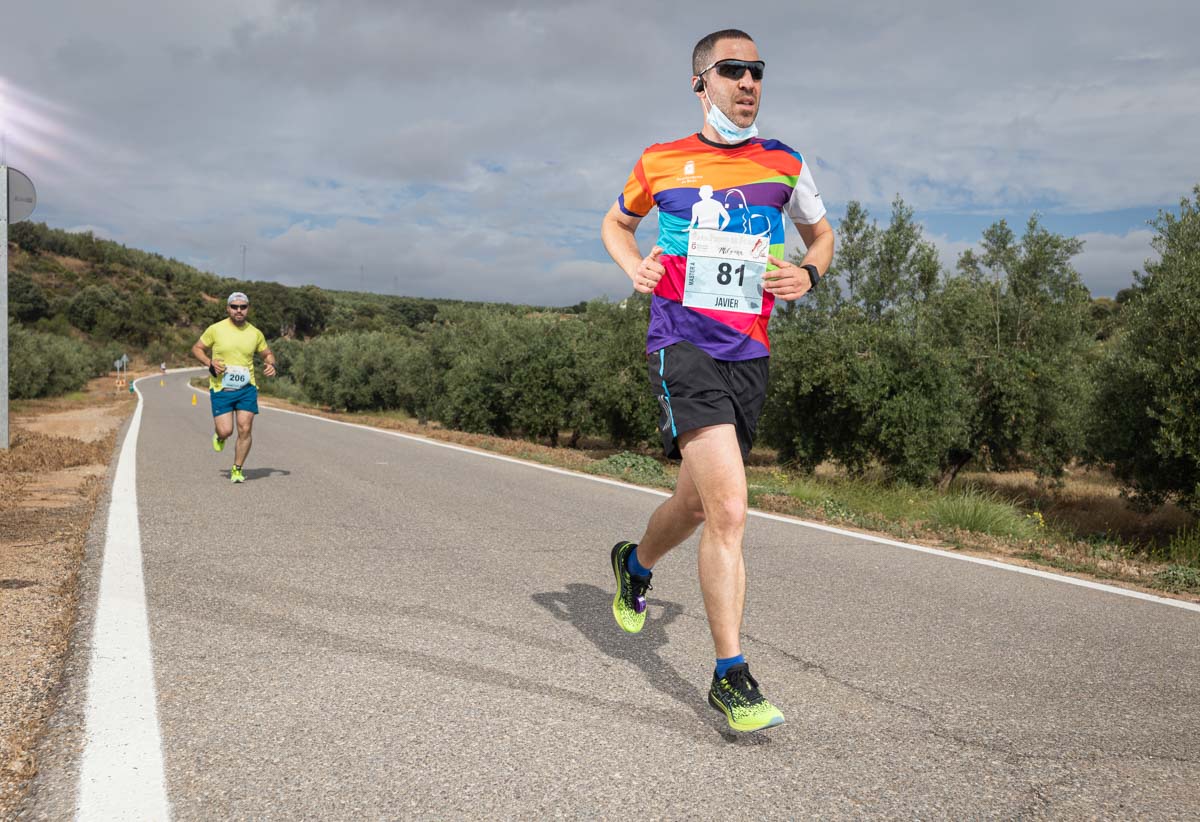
{"x":702,"y":54}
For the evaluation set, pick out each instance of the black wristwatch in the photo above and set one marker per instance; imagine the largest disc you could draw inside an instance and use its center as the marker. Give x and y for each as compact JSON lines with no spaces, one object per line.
{"x":814,"y":276}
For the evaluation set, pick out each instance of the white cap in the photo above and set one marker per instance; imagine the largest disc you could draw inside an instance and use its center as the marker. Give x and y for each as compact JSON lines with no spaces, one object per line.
{"x":237,"y":296}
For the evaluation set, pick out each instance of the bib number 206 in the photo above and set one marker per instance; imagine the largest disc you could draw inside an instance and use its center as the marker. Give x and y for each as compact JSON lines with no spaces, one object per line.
{"x":235,"y":377}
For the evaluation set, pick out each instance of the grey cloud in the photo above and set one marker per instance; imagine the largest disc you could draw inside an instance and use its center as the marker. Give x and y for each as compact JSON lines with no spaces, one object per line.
{"x":511,"y":127}
{"x":1108,"y":261}
{"x":86,"y":55}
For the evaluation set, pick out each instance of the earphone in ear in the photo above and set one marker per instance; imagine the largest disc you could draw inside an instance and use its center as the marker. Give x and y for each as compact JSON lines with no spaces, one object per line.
{"x":698,"y":86}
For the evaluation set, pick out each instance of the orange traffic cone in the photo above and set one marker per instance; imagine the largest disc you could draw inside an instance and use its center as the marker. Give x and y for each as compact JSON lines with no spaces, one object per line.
{"x":193,"y":399}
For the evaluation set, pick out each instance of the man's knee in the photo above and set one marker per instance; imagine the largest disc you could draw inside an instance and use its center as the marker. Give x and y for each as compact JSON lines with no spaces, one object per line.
{"x":224,"y":429}
{"x":727,"y":511}
{"x":244,"y":428}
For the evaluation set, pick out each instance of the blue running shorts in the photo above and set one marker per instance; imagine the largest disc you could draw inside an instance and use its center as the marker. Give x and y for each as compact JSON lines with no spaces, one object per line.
{"x":241,"y":399}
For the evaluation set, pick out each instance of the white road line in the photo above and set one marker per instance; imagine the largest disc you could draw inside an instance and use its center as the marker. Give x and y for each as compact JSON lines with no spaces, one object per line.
{"x":121,"y":773}
{"x":1016,"y":569}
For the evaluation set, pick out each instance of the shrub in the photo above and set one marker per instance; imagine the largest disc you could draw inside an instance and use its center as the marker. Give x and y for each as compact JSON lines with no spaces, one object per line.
{"x":1178,"y":579}
{"x":355,"y":372}
{"x":26,"y":302}
{"x":1184,"y":547}
{"x":981,"y":513}
{"x":635,"y":468}
{"x":47,"y":365}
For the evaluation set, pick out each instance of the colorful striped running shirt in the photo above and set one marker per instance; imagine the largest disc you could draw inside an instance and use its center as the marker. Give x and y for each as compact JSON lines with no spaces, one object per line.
{"x":698,"y":183}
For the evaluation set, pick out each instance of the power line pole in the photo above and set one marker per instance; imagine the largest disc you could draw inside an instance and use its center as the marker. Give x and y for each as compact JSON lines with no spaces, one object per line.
{"x":243,"y":261}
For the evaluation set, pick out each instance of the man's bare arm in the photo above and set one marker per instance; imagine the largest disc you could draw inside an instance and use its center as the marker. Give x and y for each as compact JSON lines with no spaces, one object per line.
{"x":818,"y":239}
{"x":200,"y":352}
{"x":790,"y":281}
{"x":618,"y":234}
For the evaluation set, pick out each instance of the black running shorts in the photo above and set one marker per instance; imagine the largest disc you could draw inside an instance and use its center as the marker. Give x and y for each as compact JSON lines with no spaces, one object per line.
{"x":695,"y":391}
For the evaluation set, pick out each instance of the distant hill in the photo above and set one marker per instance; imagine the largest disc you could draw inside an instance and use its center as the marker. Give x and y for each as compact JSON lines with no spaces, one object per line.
{"x":77,"y":284}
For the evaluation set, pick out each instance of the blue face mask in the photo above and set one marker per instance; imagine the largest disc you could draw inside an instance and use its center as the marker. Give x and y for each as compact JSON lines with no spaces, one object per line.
{"x":730,"y":132}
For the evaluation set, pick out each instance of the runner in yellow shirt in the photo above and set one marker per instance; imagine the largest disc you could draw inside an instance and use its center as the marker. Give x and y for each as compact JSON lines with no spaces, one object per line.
{"x":227,"y":349}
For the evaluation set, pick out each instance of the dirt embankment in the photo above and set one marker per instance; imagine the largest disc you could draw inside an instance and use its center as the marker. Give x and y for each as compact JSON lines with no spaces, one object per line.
{"x":50,"y":479}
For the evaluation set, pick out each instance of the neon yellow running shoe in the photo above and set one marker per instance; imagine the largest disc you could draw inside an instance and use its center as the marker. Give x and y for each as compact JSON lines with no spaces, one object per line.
{"x":236,"y":475}
{"x":218,"y":444}
{"x":629,"y":605}
{"x":737,"y":696}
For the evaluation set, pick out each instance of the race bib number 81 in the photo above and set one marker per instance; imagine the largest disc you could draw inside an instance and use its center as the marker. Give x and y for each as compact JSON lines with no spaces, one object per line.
{"x":235,"y":376}
{"x":725,"y":271}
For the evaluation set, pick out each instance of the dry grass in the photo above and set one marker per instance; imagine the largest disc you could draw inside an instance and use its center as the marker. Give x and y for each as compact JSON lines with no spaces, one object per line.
{"x":1088,"y":506}
{"x":39,"y":453}
{"x":71,"y":263}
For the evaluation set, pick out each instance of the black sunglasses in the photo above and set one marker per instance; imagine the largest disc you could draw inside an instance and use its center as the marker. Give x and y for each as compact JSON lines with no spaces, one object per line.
{"x":242,"y":307}
{"x":736,"y":69}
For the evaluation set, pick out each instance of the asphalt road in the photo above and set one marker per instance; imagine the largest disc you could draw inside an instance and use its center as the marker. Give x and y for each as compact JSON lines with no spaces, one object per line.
{"x":376,"y":628}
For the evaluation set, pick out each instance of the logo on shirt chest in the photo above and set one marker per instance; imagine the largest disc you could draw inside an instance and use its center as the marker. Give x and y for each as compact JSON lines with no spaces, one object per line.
{"x":689,"y":174}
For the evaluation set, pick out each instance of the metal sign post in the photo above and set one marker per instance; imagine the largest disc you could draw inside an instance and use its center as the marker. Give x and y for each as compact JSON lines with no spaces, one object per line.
{"x":4,"y":307}
{"x":17,"y":201}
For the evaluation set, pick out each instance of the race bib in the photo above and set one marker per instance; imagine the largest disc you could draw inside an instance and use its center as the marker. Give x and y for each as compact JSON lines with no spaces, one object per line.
{"x":725,"y":271}
{"x":235,"y":376}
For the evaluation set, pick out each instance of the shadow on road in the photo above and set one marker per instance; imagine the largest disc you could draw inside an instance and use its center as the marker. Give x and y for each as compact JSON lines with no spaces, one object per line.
{"x":259,"y":473}
{"x":589,"y":609}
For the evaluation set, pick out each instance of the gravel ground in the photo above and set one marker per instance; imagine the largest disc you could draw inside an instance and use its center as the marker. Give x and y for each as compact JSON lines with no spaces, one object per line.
{"x":50,"y":479}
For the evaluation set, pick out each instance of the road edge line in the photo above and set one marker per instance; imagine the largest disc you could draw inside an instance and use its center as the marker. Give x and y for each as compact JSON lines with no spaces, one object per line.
{"x":121,"y":774}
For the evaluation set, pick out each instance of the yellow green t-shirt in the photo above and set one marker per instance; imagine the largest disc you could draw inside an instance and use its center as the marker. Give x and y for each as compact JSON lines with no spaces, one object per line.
{"x":233,"y":346}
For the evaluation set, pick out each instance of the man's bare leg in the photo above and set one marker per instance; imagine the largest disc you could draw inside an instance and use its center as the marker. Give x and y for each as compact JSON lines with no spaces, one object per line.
{"x":673,"y":521}
{"x":711,"y":490}
{"x":245,"y":420}
{"x":223,"y":425}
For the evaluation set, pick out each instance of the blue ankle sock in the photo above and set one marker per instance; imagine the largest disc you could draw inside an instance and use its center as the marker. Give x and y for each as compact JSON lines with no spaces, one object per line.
{"x":635,"y":567}
{"x":724,"y":665}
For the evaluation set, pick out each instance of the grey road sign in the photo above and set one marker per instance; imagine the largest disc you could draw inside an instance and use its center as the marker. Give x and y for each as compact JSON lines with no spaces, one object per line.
{"x":22,"y":197}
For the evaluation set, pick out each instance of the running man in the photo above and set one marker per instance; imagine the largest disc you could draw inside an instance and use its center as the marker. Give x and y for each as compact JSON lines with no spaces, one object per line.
{"x":227,"y":349}
{"x":713,"y":291}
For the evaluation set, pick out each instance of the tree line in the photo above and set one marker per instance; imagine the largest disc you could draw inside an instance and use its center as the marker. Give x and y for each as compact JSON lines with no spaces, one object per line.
{"x":1005,"y":362}
{"x":893,"y":362}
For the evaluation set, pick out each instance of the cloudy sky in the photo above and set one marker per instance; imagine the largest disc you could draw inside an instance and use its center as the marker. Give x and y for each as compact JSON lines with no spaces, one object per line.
{"x":469,"y":149}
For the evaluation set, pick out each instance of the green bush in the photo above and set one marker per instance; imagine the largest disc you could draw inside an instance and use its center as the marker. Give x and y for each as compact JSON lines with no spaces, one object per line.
{"x":354,"y":372}
{"x":634,"y":468}
{"x":47,"y":365}
{"x":99,"y":310}
{"x":981,"y":513}
{"x":1178,"y":579}
{"x":26,"y":302}
{"x":613,"y":371}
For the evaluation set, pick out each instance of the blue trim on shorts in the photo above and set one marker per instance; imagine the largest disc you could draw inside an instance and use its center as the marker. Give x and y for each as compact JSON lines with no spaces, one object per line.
{"x":662,"y":368}
{"x":243,"y":399}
